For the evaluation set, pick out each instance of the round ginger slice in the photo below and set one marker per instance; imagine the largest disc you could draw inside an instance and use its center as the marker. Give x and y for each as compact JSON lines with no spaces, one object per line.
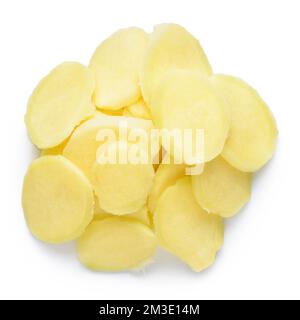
{"x":253,"y":134}
{"x":221,"y":189}
{"x":58,"y":200}
{"x":171,"y":46}
{"x":116,"y":64}
{"x":185,"y":229}
{"x":82,"y":146}
{"x":59,"y":103}
{"x":122,"y":188}
{"x":116,"y":244}
{"x":186,"y":100}
{"x":166,"y":175}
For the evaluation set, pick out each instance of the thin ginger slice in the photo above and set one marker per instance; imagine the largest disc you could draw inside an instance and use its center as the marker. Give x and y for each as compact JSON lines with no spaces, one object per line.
{"x":59,"y":103}
{"x":185,"y":229}
{"x":122,"y":188}
{"x":253,"y":134}
{"x":116,"y":64}
{"x":58,"y":200}
{"x":221,"y":189}
{"x":171,"y":46}
{"x":116,"y":244}
{"x":186,"y":100}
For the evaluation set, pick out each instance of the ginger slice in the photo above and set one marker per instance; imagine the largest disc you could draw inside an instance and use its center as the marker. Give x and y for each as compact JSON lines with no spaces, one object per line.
{"x":58,"y":199}
{"x":185,"y":229}
{"x":116,"y":244}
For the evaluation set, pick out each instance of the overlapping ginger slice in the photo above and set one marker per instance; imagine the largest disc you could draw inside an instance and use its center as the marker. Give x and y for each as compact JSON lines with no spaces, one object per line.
{"x":59,"y":103}
{"x":171,"y":46}
{"x":116,"y":64}
{"x":166,"y":175}
{"x":185,"y":229}
{"x":82,"y":146}
{"x":253,"y":134}
{"x":58,"y":199}
{"x":122,"y":188}
{"x":186,"y":100}
{"x":221,"y":189}
{"x":116,"y":244}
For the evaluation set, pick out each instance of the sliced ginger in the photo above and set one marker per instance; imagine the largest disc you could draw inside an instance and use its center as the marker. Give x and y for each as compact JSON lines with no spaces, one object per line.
{"x":185,"y":229}
{"x":59,"y":103}
{"x":116,"y":244}
{"x":116,"y":64}
{"x":122,"y":188}
{"x":222,"y":189}
{"x":58,"y":199}
{"x":166,"y":175}
{"x":186,"y":100}
{"x":82,"y":146}
{"x":170,"y":47}
{"x":108,"y":178}
{"x":252,"y":138}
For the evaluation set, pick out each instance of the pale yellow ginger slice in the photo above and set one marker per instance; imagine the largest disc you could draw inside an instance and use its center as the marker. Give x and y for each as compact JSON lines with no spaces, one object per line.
{"x":59,"y":103}
{"x":138,"y":110}
{"x":116,"y":244}
{"x":116,"y":64}
{"x":82,"y":146}
{"x":221,"y":189}
{"x":58,"y":200}
{"x":166,"y":175}
{"x":171,"y":46}
{"x":185,"y":229}
{"x":141,"y":215}
{"x":186,"y":100}
{"x":122,"y":188}
{"x":253,"y":134}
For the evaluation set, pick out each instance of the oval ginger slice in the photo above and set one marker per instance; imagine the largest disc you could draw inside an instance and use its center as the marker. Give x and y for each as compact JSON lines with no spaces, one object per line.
{"x":171,"y":46}
{"x":116,"y":244}
{"x":253,"y":134}
{"x":116,"y":64}
{"x":186,"y":100}
{"x":59,"y":103}
{"x":185,"y":229}
{"x":221,"y":189}
{"x":58,"y":199}
{"x":122,"y":188}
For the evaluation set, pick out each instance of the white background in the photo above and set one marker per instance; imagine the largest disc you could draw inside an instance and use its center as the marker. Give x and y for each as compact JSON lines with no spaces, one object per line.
{"x":258,"y":41}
